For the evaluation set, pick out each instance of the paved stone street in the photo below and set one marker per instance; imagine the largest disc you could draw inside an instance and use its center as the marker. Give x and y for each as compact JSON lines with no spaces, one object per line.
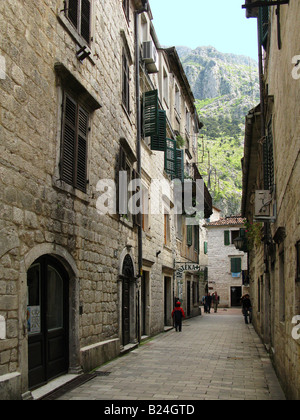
{"x":216,"y":356}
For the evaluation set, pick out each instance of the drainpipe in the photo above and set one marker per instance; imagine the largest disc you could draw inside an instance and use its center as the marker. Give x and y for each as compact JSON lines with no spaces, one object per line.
{"x":138,"y":146}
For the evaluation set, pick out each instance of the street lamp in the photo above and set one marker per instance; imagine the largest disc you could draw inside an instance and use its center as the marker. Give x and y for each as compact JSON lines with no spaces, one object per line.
{"x":241,"y":241}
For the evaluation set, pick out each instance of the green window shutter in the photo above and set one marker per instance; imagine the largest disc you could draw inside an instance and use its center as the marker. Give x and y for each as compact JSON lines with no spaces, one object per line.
{"x":264,"y":25}
{"x":227,"y":237}
{"x":205,"y":248}
{"x":158,"y":141}
{"x":180,"y":164}
{"x":189,"y":235}
{"x":171,"y":157}
{"x":196,"y":236}
{"x":236,"y":265}
{"x":150,"y":113}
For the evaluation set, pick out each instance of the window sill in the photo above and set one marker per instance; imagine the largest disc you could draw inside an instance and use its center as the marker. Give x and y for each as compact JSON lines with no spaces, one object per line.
{"x":80,"y":41}
{"x":126,"y":112}
{"x":68,"y":189}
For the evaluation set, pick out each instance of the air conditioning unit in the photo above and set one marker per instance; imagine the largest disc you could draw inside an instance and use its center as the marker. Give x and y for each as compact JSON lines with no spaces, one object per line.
{"x":149,"y":52}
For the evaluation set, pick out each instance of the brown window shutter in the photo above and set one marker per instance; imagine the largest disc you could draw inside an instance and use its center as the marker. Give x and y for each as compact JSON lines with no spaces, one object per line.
{"x":136,"y":218}
{"x":122,"y":189}
{"x":81,"y":163}
{"x":69,"y":140}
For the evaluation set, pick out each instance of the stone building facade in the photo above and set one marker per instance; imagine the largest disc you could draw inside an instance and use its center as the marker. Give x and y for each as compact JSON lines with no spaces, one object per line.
{"x":271,"y":173}
{"x":227,"y":266}
{"x":78,"y":285}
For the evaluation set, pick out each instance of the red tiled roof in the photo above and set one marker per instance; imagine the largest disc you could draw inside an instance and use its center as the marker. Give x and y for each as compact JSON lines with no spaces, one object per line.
{"x":228,"y":221}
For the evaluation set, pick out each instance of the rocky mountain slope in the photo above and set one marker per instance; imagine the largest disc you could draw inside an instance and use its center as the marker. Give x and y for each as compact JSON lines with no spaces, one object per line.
{"x":226,"y":87}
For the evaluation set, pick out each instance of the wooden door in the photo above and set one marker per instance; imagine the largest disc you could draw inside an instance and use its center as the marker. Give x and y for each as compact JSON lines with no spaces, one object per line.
{"x":47,"y":321}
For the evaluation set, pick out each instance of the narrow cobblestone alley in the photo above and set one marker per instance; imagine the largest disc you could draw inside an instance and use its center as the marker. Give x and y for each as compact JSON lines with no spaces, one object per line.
{"x":216,"y":356}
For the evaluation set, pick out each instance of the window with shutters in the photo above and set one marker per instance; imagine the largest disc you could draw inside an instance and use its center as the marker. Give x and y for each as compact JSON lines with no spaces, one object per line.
{"x":125,"y":4}
{"x":268,"y":159}
{"x":263,"y":19}
{"x":79,"y":14}
{"x":75,"y":126}
{"x":171,"y":158}
{"x":236,"y":265}
{"x":189,"y":235}
{"x":226,"y":237}
{"x":125,"y":83}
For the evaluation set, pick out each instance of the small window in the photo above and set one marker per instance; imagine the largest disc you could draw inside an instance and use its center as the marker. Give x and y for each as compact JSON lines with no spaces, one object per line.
{"x":167,"y":229}
{"x":79,"y":14}
{"x":165,"y":87}
{"x":125,"y":83}
{"x":73,"y":165}
{"x":126,"y":8}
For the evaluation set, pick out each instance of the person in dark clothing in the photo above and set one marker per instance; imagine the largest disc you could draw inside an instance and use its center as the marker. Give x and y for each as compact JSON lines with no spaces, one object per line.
{"x":247,"y":308}
{"x":177,"y":315}
{"x":208,"y":300}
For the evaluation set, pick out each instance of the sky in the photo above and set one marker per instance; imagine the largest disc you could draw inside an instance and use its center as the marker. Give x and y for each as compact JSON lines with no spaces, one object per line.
{"x":194,"y":23}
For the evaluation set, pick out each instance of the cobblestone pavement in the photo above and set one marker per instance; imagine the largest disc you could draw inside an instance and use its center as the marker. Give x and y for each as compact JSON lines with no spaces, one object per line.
{"x":216,"y":356}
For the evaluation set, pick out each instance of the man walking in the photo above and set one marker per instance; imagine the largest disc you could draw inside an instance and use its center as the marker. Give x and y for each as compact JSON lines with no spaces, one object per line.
{"x":177,"y":315}
{"x":216,"y":301}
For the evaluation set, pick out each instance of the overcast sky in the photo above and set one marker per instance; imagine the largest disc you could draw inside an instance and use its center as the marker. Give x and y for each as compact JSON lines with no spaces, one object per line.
{"x":194,"y":23}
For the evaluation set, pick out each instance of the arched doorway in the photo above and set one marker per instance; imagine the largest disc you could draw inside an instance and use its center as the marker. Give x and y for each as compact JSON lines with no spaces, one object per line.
{"x":127,"y":299}
{"x":47,"y":320}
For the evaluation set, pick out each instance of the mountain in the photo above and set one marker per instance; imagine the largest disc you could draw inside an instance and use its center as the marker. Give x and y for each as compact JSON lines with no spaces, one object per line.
{"x":226,"y":87}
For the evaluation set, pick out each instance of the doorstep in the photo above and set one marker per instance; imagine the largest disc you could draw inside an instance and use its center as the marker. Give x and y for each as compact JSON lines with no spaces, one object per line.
{"x":52,"y":385}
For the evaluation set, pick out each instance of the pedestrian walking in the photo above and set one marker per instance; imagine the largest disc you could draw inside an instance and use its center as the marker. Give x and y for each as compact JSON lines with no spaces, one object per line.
{"x":208,"y":300}
{"x":247,"y":308}
{"x":216,"y":301}
{"x":177,"y":315}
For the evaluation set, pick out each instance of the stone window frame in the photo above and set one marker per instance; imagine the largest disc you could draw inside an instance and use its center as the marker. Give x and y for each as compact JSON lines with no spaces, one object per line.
{"x":73,"y":32}
{"x":69,"y":84}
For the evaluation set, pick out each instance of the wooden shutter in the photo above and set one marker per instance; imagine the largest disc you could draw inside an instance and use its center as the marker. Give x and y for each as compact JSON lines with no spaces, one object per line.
{"x":136,"y":218}
{"x":158,"y":141}
{"x":122,"y":193}
{"x":227,"y":237}
{"x":69,"y":140}
{"x":81,"y":164}
{"x":180,"y":164}
{"x":268,"y":159}
{"x":150,"y":113}
{"x":236,"y":265}
{"x":171,"y":157}
{"x":264,"y":25}
{"x":205,"y":248}
{"x":125,"y":84}
{"x":74,"y":144}
{"x":72,"y":12}
{"x":85,"y":19}
{"x":189,"y":235}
